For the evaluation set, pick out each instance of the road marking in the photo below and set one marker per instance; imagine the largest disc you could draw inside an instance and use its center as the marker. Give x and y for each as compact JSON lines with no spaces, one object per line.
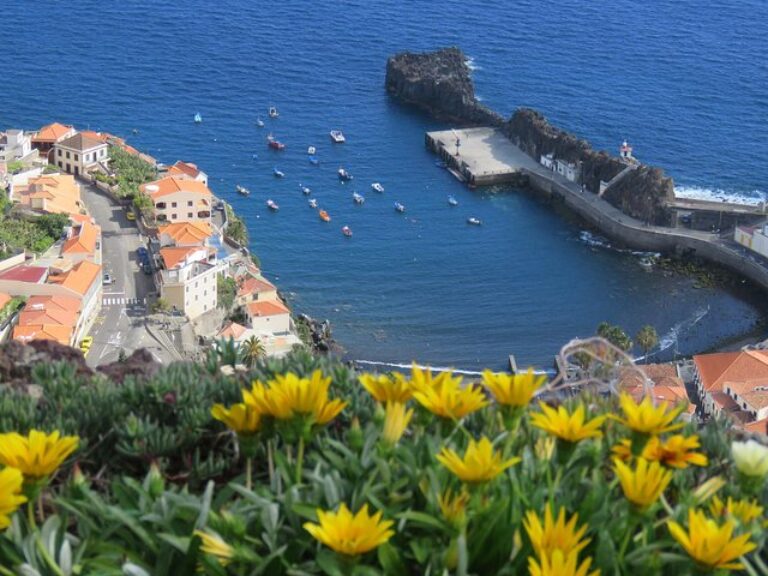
{"x":113,"y":293}
{"x":123,"y":301}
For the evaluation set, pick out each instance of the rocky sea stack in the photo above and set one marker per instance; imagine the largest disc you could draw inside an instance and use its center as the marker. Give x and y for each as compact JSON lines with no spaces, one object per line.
{"x":440,"y":83}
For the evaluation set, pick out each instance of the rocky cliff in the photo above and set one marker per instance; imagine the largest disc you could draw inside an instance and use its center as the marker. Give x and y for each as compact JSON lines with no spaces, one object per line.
{"x":440,"y":83}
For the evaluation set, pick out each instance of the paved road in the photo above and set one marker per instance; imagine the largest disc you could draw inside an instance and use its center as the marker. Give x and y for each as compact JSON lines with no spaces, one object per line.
{"x":121,"y":324}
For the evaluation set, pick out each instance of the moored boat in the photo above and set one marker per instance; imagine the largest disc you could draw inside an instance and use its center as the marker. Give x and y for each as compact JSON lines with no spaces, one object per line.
{"x":311,"y":150}
{"x":399,"y":207}
{"x":357,"y":198}
{"x":452,"y":201}
{"x":324,"y":216}
{"x":273,"y":113}
{"x":272,"y":205}
{"x":474,"y":221}
{"x":313,"y":203}
{"x":274,"y":144}
{"x":259,"y":122}
{"x":338,"y":136}
{"x":306,"y":190}
{"x":377,"y":187}
{"x":198,"y":118}
{"x":278,"y":173}
{"x":242,"y":190}
{"x":347,"y":231}
{"x":344,"y":176}
{"x":314,"y":161}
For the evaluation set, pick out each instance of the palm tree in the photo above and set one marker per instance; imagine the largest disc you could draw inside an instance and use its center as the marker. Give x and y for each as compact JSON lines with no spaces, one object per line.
{"x":647,"y":338}
{"x":252,"y":350}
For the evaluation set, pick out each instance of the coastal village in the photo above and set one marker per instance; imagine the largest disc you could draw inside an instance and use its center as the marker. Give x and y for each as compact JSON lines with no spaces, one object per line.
{"x":119,"y":262}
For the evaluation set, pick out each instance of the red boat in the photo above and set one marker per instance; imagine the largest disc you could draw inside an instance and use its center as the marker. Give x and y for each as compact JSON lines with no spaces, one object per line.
{"x":274,"y":144}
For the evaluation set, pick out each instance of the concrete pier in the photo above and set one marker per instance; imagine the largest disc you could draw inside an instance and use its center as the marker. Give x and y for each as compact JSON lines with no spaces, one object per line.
{"x":484,"y":156}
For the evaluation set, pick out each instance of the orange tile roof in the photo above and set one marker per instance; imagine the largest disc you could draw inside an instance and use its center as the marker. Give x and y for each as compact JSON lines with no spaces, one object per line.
{"x":61,"y":334}
{"x":84,"y":242}
{"x":81,"y":278}
{"x":185,"y":168}
{"x":173,"y":185}
{"x":724,"y":402}
{"x":66,"y":303}
{"x":254,"y":286}
{"x":53,"y":193}
{"x":174,"y":257}
{"x":715,"y":369}
{"x":268,"y":308}
{"x":46,"y":317}
{"x":187,"y":232}
{"x":80,"y":218}
{"x":97,"y":136}
{"x":232,"y":330}
{"x":52,"y":132}
{"x":758,"y":427}
{"x":4,"y":299}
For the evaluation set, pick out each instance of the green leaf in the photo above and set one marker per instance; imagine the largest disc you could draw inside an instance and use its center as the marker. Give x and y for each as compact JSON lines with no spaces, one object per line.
{"x":390,"y":560}
{"x":422,"y":518}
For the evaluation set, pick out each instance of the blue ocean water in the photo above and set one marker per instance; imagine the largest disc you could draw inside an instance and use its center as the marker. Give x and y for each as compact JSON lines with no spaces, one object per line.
{"x":684,"y":81}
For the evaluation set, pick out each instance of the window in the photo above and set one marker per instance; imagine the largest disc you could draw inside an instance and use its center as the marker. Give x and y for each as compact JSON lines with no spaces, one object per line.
{"x":173,"y":216}
{"x":190,"y":215}
{"x":197,"y":284}
{"x":69,"y":168}
{"x":189,"y":203}
{"x":103,"y":152}
{"x":59,"y":151}
{"x":173,"y":204}
{"x":187,"y":288}
{"x":76,"y":158}
{"x":196,"y":298}
{"x":205,"y":292}
{"x":67,"y":155}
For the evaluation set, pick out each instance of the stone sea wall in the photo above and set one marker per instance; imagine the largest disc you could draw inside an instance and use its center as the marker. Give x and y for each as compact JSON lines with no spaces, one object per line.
{"x":440,"y":83}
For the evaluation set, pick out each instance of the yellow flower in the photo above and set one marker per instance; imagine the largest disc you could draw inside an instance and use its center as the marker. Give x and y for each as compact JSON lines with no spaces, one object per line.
{"x":674,"y":452}
{"x":544,"y":448}
{"x":559,"y":564}
{"x":751,"y":458}
{"x":214,"y":545}
{"x":454,"y":507}
{"x":36,"y":455}
{"x":480,"y":463}
{"x":386,"y":388}
{"x":645,"y":484}
{"x":444,"y":395}
{"x":395,"y":422}
{"x":348,"y":534}
{"x":243,"y":419}
{"x":288,"y":396}
{"x":567,"y":426}
{"x":647,"y":419}
{"x":513,"y":389}
{"x":554,"y":535}
{"x":710,"y":544}
{"x":11,"y":481}
{"x":744,"y":510}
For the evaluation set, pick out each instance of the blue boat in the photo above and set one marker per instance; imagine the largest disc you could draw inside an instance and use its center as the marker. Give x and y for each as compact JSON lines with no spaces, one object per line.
{"x":314,"y":161}
{"x":278,"y":173}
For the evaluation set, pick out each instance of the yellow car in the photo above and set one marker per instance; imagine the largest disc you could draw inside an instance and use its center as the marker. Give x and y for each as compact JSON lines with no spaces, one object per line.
{"x":130,"y":215}
{"x":86,"y":343}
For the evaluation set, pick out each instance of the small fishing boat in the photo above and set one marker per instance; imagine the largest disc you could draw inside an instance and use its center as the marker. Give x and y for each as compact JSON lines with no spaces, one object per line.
{"x":273,"y":113}
{"x":306,"y":190}
{"x":377,"y":187}
{"x":135,"y":131}
{"x":272,"y":205}
{"x":344,"y":176}
{"x":259,"y":122}
{"x":314,"y":161}
{"x":255,"y":156}
{"x":399,"y":207}
{"x":452,"y":201}
{"x":324,"y":216}
{"x":337,"y":136}
{"x":278,"y":173}
{"x":312,"y":203}
{"x":242,"y":190}
{"x":198,"y":118}
{"x":274,"y":144}
{"x":311,"y":150}
{"x":474,"y":221}
{"x":347,"y":231}
{"x":357,"y":198}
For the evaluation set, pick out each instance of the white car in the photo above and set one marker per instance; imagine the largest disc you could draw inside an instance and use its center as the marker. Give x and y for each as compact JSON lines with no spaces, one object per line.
{"x":107,"y":279}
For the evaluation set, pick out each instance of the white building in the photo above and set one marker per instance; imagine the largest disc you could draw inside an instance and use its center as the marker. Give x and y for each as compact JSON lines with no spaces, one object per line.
{"x":753,"y":237}
{"x":79,"y":154}
{"x":188,"y":280}
{"x":548,"y":161}
{"x":567,"y":169}
{"x":14,"y":146}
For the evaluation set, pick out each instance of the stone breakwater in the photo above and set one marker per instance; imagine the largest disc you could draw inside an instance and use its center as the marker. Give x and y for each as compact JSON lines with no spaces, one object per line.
{"x":440,"y":83}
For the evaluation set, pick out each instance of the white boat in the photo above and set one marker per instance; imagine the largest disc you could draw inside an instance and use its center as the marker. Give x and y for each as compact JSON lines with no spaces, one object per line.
{"x":474,"y":221}
{"x":306,"y":190}
{"x":272,"y":205}
{"x":242,"y":190}
{"x":344,"y":176}
{"x":399,"y":207}
{"x":377,"y":187}
{"x":259,"y":122}
{"x":337,"y":136}
{"x":278,"y":173}
{"x":347,"y":231}
{"x":198,"y":118}
{"x":311,"y":150}
{"x":357,"y":198}
{"x":313,"y":203}
{"x":452,"y":201}
{"x":273,"y":113}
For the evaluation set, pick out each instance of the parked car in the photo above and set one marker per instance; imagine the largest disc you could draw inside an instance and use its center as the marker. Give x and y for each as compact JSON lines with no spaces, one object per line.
{"x":130,"y":215}
{"x":107,"y":279}
{"x":142,"y":253}
{"x":220,"y":205}
{"x":86,"y":342}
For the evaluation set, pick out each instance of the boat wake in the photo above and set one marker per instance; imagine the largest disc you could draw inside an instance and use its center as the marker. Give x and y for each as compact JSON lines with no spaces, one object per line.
{"x":672,"y":337}
{"x":719,"y":195}
{"x":600,"y":242}
{"x":392,"y":365}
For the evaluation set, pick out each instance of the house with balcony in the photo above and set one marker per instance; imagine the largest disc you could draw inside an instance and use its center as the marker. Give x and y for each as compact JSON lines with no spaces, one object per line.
{"x":45,"y":138}
{"x":16,"y":146}
{"x":79,"y":154}
{"x":179,"y":200}
{"x":188,"y":280}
